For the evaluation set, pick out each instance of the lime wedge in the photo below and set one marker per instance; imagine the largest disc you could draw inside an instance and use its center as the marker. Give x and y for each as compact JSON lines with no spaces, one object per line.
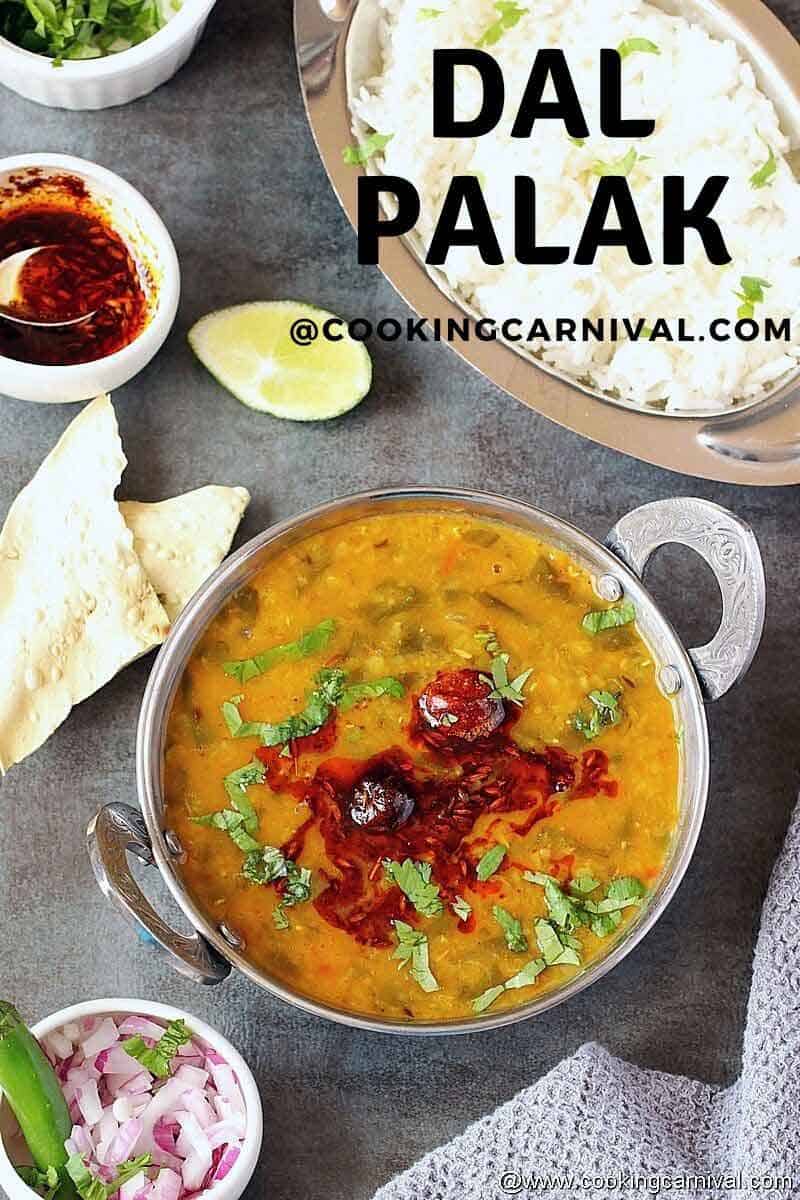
{"x":253,"y":351}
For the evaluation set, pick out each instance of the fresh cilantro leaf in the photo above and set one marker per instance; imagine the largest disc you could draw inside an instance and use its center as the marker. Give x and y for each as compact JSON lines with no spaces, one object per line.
{"x":605,"y":713}
{"x":331,"y":690}
{"x":487,"y":998}
{"x":296,"y":890}
{"x":766,"y":172}
{"x":157,"y":1059}
{"x":314,"y":640}
{"x":488,"y":639}
{"x":636,"y":45}
{"x":232,"y":823}
{"x":429,"y":14}
{"x":412,"y":947}
{"x":237,"y":726}
{"x":490,"y":862}
{"x":527,"y":975}
{"x":582,"y":885}
{"x":362,"y":152}
{"x":45,"y":1183}
{"x":601,"y":619}
{"x":524,"y":978}
{"x":89,"y":1187}
{"x":279,"y":918}
{"x":752,"y":293}
{"x":265,"y":864}
{"x":603,"y":925}
{"x":512,"y":928}
{"x":355,"y":692}
{"x":240,"y":821}
{"x":619,"y":166}
{"x":621,"y":893}
{"x":510,"y":14}
{"x":566,"y":913}
{"x":414,"y":880}
{"x":554,"y":946}
{"x":462,"y":909}
{"x":502,"y":688}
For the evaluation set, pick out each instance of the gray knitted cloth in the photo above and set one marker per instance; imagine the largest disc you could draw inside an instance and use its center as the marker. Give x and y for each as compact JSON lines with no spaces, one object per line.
{"x":699,"y":1140}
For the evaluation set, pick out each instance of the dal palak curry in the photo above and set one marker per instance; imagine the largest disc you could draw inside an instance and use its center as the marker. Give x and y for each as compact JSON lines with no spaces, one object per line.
{"x":420,"y":769}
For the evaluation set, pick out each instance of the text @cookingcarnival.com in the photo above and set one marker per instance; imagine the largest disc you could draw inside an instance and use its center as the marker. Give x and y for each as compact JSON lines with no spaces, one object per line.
{"x":521,"y":1183}
{"x":517,"y":331}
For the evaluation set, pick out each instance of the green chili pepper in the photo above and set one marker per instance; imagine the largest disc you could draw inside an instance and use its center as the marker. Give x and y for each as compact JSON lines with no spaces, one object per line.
{"x":34,"y":1095}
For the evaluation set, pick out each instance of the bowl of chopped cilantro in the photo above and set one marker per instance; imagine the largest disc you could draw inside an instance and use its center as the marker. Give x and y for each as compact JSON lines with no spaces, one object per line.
{"x":91,"y":54}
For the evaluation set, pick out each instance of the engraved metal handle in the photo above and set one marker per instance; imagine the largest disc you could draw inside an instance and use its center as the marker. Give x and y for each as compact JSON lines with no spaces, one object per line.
{"x":117,"y":831}
{"x":729,"y":547}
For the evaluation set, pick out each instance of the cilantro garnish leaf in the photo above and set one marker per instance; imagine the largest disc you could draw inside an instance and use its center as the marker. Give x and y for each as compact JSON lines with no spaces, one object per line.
{"x":752,"y":293}
{"x":461,"y":908}
{"x":510,"y":14}
{"x":502,"y":688}
{"x":267,"y":865}
{"x":766,"y":172}
{"x":412,"y":947}
{"x":583,"y":885}
{"x":157,"y":1059}
{"x":605,"y":713}
{"x":45,"y":1183}
{"x":490,"y":862}
{"x":429,"y":14}
{"x":567,"y":913}
{"x":600,"y":619}
{"x":557,"y":948}
{"x":623,"y":892}
{"x":279,"y":917}
{"x":353,"y":693}
{"x":308,"y":643}
{"x":512,"y":929}
{"x":487,"y":998}
{"x":414,"y":880}
{"x":89,"y":1187}
{"x":360,"y":153}
{"x":331,"y":691}
{"x":240,"y":821}
{"x":636,"y":45}
{"x":619,"y":166}
{"x":524,"y":978}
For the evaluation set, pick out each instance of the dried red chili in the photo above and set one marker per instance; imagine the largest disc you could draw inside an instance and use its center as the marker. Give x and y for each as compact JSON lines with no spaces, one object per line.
{"x":432,"y":813}
{"x":85,"y":268}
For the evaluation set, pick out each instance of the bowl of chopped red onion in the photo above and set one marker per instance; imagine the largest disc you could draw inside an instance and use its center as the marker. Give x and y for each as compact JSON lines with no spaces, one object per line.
{"x":159,"y":1106}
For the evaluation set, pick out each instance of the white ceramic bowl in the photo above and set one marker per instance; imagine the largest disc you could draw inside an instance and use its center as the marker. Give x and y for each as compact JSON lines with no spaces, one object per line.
{"x":115,"y":79}
{"x":229,"y":1188}
{"x":151,"y":246}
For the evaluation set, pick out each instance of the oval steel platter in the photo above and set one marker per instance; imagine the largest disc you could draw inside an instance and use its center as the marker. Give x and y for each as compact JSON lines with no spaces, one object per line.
{"x":756,"y":444}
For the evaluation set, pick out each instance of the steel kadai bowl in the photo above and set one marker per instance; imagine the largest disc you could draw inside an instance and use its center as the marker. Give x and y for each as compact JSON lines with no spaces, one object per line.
{"x":689,"y":677}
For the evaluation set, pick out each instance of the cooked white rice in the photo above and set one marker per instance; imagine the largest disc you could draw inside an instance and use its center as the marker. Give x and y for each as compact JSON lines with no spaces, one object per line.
{"x":711,"y":118}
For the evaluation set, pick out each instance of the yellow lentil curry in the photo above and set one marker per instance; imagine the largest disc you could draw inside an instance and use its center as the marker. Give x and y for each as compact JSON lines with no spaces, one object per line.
{"x":420,"y":769}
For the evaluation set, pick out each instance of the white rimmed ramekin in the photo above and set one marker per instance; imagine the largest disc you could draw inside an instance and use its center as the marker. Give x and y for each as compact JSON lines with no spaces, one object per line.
{"x":105,"y":82}
{"x":229,"y":1188}
{"x":151,"y":245}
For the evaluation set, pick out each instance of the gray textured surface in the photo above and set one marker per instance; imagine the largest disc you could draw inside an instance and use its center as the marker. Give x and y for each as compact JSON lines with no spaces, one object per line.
{"x":224,"y":154}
